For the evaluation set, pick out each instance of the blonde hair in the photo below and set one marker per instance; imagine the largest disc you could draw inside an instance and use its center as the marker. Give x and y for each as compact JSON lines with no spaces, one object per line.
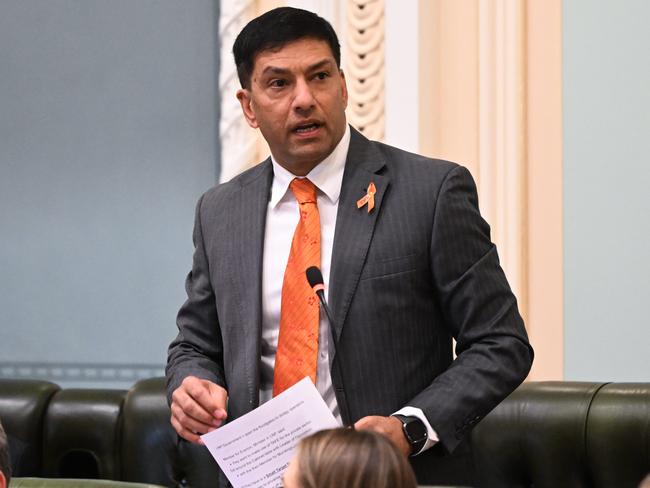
{"x":352,"y":459}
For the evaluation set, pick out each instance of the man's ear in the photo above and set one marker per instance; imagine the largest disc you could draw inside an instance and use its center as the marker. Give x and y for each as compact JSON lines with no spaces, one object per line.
{"x":344,"y":88}
{"x":3,"y":480}
{"x":245,"y":100}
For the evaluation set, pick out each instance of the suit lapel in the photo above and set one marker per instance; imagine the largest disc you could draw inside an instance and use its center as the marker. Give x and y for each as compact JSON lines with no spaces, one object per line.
{"x":354,"y":226}
{"x":248,"y":220}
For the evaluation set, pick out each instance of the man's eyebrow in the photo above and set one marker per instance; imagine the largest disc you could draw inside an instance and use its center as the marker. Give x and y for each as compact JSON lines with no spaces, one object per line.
{"x":320,"y":64}
{"x":283,"y":71}
{"x":275,"y":70}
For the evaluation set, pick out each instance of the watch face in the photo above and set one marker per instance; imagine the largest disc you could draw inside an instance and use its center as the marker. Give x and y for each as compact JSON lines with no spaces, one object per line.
{"x":415,"y":430}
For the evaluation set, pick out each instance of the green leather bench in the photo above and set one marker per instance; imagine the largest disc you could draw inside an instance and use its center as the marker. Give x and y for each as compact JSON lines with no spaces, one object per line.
{"x":546,"y":434}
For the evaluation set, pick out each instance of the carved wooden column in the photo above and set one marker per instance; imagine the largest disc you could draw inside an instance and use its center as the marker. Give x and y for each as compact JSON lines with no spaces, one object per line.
{"x":364,"y":66}
{"x":238,"y":140}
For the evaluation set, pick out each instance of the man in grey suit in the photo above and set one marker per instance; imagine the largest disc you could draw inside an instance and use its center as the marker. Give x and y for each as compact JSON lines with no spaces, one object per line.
{"x":406,"y":256}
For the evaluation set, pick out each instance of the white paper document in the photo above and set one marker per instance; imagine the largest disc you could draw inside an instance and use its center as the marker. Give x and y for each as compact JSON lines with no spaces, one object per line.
{"x":254,"y":450}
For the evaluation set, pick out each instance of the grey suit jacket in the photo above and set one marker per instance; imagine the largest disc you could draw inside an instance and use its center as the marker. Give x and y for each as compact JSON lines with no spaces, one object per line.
{"x":405,"y":278}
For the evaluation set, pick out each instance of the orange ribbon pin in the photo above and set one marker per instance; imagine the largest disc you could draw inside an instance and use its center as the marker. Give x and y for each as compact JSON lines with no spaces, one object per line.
{"x":368,"y":198}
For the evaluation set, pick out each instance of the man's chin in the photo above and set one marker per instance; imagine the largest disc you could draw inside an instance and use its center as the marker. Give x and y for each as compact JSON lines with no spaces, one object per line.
{"x":311,"y":154}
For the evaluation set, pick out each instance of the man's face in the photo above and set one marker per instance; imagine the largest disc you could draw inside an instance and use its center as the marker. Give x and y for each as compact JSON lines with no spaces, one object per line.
{"x":297,"y":98}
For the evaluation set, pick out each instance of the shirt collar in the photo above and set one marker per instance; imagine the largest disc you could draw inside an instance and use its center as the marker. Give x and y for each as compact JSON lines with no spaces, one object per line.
{"x":327,"y":175}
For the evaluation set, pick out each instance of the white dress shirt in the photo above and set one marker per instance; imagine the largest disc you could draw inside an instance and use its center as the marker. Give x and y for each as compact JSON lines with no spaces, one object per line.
{"x":282,"y":217}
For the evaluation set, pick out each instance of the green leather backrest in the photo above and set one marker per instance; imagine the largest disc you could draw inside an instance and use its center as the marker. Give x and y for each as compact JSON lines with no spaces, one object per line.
{"x":566,"y":434}
{"x":81,"y":434}
{"x":618,"y":435}
{"x":148,"y":435}
{"x":23,"y":404}
{"x":536,"y":436}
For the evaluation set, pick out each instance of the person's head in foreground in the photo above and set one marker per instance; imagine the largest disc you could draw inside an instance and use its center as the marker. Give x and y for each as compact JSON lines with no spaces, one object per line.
{"x":348,"y":458}
{"x":4,"y":459}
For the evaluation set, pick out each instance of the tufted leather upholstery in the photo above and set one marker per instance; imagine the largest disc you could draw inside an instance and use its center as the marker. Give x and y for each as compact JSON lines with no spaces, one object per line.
{"x":618,"y":435}
{"x":147,"y":435}
{"x":22,"y":411}
{"x":81,"y":434}
{"x":546,"y":434}
{"x":568,"y":434}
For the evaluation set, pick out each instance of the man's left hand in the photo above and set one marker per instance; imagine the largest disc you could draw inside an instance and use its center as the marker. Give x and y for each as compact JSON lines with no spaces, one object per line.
{"x":391,"y":427}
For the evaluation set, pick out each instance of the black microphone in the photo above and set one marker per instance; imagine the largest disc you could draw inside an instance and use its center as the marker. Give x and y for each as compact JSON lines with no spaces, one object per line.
{"x":315,"y":279}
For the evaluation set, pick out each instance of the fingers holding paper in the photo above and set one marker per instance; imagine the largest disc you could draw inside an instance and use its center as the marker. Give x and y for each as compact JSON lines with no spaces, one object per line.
{"x":198,"y":407}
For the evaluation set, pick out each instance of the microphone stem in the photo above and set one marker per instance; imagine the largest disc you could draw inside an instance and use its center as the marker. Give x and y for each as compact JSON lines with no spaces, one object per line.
{"x":321,"y":296}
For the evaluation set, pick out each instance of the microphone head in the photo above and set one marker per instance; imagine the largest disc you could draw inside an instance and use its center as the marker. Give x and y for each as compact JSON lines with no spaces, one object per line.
{"x":314,"y":276}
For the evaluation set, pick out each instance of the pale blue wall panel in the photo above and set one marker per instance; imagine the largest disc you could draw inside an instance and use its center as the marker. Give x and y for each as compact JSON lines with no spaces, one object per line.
{"x":108,"y":135}
{"x":606,"y":189}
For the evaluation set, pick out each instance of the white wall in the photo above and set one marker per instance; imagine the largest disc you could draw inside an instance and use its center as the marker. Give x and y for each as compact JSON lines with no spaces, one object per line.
{"x":402,"y":77}
{"x":607,"y":189}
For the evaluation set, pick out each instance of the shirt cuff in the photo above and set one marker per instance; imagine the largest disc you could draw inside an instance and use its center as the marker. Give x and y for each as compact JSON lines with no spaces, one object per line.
{"x":432,"y":436}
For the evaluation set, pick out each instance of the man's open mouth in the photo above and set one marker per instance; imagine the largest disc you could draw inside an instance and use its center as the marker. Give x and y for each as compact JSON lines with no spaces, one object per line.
{"x":306,"y":128}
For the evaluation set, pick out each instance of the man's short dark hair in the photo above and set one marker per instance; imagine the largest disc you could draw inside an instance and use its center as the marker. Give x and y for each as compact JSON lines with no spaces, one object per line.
{"x":5,"y":466}
{"x":273,"y":30}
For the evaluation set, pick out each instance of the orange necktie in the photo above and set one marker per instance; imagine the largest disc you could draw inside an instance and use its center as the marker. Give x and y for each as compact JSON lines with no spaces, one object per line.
{"x":297,"y":351}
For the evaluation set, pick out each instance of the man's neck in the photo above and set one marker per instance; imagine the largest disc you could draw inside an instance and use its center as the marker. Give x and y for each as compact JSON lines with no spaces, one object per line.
{"x":301,"y":169}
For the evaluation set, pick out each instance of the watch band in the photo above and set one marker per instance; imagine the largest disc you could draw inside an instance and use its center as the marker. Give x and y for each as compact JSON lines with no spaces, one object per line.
{"x":415,"y":432}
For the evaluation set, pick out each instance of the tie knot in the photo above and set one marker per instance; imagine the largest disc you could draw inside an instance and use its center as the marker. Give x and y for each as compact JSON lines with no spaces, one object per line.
{"x":304,"y":190}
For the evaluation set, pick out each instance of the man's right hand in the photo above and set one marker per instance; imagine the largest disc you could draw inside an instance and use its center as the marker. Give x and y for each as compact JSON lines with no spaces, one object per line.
{"x":198,"y":407}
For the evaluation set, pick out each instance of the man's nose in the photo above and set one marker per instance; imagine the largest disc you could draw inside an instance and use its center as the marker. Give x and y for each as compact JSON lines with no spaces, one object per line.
{"x":303,"y":99}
